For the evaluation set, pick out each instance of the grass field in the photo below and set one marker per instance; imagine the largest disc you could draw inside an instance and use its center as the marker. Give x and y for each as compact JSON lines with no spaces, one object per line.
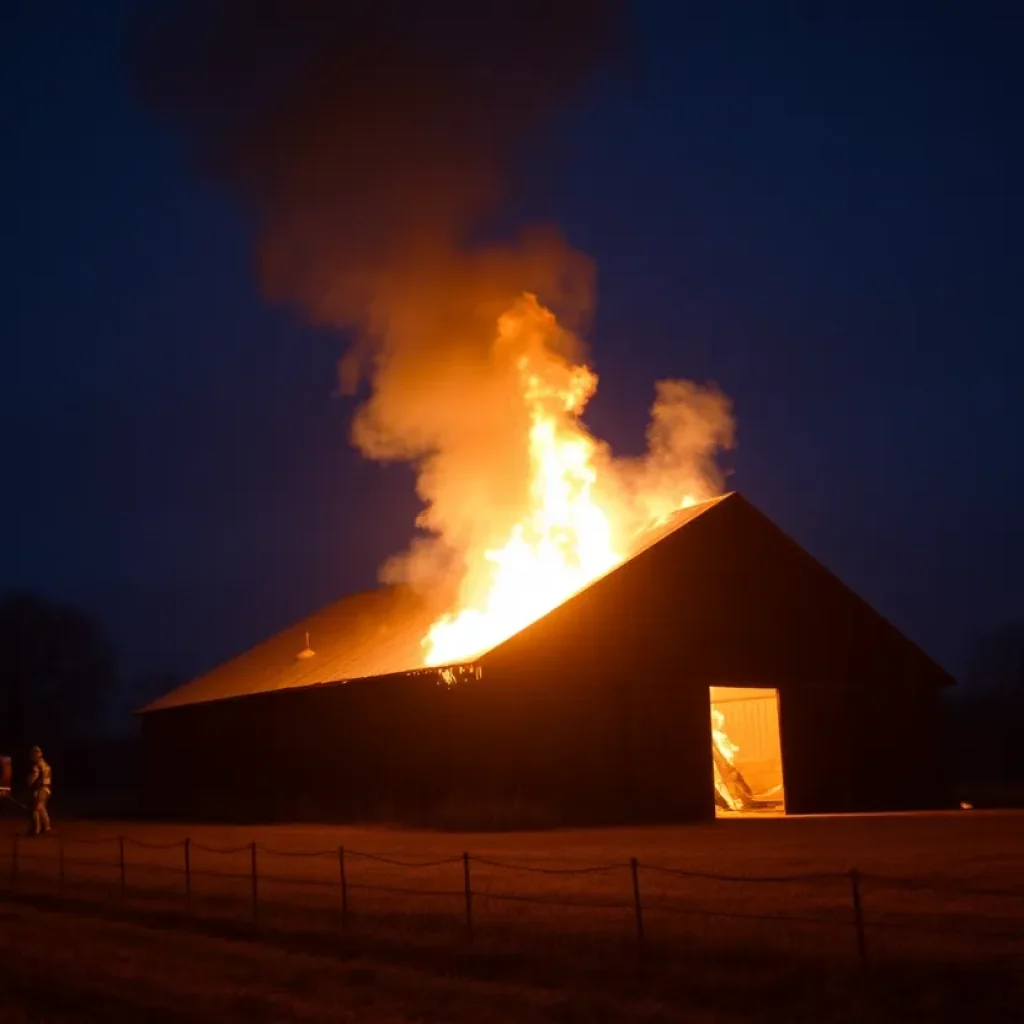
{"x":944,"y":931}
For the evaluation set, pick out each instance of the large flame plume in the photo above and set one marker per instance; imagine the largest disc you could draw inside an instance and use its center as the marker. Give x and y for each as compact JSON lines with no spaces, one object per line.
{"x":582,"y":510}
{"x":375,"y":144}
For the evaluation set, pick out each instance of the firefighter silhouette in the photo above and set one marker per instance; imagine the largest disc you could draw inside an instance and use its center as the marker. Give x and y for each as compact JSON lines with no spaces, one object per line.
{"x":40,"y":783}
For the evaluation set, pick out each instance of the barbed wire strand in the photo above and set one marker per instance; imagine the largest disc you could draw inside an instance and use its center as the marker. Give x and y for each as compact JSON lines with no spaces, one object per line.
{"x":941,"y":885}
{"x":402,"y":863}
{"x":510,"y":866}
{"x":555,"y":901}
{"x":830,"y":876}
{"x":222,"y":850}
{"x":743,"y":915}
{"x":323,"y":883}
{"x":297,"y":853}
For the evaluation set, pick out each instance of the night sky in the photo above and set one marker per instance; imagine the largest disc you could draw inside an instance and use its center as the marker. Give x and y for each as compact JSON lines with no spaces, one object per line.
{"x":823,"y":214}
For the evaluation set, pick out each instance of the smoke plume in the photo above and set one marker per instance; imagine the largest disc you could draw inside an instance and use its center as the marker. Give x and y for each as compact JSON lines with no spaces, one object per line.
{"x":376,"y":145}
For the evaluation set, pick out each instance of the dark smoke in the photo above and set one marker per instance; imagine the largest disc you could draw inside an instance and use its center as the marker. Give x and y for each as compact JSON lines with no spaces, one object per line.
{"x":373,"y":141}
{"x":376,"y":145}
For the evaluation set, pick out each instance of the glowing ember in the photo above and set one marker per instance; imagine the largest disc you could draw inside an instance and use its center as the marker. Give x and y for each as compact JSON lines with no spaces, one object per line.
{"x":585,"y":509}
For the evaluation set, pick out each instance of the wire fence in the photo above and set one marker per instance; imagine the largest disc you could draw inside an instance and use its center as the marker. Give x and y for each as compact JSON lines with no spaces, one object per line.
{"x":864,"y":914}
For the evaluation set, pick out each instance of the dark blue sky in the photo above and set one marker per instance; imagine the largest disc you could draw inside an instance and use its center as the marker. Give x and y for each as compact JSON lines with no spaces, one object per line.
{"x":823,"y":214}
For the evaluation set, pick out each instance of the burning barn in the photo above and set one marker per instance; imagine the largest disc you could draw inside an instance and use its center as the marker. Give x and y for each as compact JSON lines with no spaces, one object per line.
{"x":569,"y":629}
{"x":719,"y":668}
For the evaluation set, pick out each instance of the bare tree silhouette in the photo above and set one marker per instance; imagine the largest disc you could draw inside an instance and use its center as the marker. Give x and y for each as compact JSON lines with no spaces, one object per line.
{"x":58,"y":670}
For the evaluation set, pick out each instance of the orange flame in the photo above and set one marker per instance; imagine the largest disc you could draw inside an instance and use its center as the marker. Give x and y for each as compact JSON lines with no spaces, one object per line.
{"x":585,"y":508}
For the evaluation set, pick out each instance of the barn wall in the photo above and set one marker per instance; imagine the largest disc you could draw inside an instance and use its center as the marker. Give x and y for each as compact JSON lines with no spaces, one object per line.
{"x":849,"y":749}
{"x":588,"y":749}
{"x":669,"y":758}
{"x":730,"y":600}
{"x":325,"y":753}
{"x":660,"y":762}
{"x":397,"y":748}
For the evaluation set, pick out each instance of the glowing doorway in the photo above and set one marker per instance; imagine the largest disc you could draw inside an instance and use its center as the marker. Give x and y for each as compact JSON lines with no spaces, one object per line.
{"x":747,"y":751}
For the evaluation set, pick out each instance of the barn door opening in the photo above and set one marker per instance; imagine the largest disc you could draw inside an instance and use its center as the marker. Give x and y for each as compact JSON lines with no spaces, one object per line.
{"x":747,"y":751}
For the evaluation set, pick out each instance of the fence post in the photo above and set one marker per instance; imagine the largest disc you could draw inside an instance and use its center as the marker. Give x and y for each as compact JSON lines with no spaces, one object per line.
{"x":188,"y":874}
{"x":344,"y":886}
{"x":469,"y":895}
{"x":858,"y":915}
{"x":634,"y":867}
{"x":14,"y":860}
{"x":60,"y":863}
{"x":120,"y":857}
{"x":255,"y":884}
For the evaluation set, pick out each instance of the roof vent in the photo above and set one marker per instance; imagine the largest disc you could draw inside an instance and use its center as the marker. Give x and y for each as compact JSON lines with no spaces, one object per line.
{"x":306,"y":652}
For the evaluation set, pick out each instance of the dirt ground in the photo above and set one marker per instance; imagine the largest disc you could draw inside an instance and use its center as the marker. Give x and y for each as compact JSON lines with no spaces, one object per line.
{"x":968,"y":845}
{"x":554,"y":924}
{"x":62,"y":967}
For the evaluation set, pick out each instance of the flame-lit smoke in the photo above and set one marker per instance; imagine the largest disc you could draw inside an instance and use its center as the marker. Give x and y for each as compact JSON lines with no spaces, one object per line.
{"x":374,"y":144}
{"x":572,"y":511}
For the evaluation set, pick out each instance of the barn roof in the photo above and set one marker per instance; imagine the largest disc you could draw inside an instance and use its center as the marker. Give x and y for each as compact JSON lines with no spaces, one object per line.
{"x":375,"y":633}
{"x":379,"y":633}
